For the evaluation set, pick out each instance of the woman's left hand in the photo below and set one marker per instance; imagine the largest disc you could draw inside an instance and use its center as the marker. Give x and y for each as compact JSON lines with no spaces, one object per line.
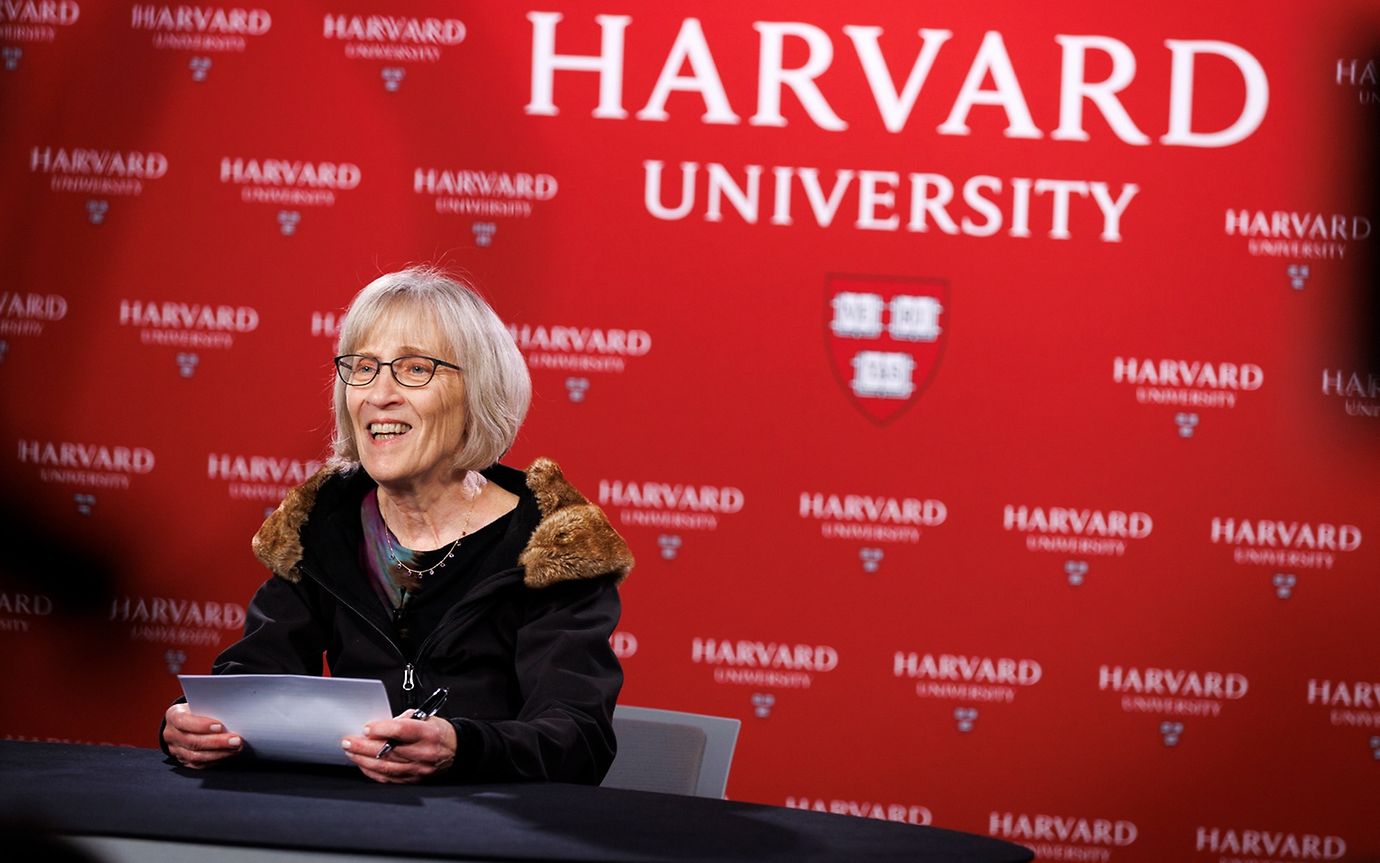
{"x":420,"y":748}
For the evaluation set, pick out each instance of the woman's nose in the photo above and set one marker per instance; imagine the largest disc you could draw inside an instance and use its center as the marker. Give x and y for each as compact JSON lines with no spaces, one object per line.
{"x":384,"y":388}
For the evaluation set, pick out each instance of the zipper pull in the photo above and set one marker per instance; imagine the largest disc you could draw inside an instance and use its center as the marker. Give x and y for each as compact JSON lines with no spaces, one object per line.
{"x":408,"y":683}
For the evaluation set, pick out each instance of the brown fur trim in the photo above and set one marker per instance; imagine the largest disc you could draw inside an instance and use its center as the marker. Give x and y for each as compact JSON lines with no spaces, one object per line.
{"x":278,"y":544}
{"x":574,"y":539}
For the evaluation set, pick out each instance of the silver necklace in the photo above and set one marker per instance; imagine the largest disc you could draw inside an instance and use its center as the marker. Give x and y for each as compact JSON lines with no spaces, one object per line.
{"x":419,"y":574}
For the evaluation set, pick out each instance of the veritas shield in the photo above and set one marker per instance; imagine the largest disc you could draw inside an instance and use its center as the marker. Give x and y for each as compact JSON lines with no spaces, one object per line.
{"x":884,"y":336}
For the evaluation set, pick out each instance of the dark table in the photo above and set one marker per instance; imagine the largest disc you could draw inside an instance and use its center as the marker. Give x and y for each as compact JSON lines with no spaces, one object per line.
{"x":128,"y":792}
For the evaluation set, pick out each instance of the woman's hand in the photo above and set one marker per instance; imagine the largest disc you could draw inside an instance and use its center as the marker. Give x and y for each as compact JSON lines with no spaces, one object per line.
{"x":197,"y":741}
{"x":421,"y":748}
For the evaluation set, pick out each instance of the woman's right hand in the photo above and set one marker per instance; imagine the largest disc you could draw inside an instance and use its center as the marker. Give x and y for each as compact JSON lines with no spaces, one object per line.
{"x":197,"y":741}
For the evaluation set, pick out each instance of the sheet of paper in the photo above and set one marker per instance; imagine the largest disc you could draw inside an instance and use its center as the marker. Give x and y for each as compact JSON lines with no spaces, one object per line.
{"x":289,"y":717}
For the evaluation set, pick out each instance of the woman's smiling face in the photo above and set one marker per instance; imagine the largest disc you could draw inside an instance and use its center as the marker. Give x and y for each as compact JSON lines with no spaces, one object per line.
{"x":407,"y":436}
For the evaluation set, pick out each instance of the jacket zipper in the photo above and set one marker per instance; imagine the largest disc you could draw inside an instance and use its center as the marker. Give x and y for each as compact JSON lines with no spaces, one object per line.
{"x":409,"y":682}
{"x":409,"y":667}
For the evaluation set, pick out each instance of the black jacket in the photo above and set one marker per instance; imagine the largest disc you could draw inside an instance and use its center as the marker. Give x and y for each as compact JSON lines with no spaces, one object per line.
{"x":525,"y":653}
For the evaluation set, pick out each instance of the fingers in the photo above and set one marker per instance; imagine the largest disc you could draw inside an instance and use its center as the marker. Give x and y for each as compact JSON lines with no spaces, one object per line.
{"x":364,"y":747}
{"x":181,"y":717}
{"x":394,"y":772}
{"x":393,"y":729}
{"x":429,"y":750}
{"x":199,"y":758}
{"x":421,"y":749}
{"x":394,"y":768}
{"x":198,"y":741}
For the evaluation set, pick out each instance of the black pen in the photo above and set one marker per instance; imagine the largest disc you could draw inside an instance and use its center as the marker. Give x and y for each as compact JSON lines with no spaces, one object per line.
{"x":421,"y":714}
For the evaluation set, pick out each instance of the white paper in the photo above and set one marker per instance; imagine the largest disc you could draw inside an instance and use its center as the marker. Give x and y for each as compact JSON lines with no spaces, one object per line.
{"x":289,"y":717}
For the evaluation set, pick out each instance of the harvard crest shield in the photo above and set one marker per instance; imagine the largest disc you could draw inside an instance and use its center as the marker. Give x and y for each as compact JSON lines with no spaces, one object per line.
{"x":884,"y":336}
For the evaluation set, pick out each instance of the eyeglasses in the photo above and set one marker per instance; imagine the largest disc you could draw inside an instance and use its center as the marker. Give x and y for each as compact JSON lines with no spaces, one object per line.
{"x":357,"y":370}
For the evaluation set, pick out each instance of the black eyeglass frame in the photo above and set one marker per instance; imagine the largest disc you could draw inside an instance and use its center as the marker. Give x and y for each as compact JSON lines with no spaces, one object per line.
{"x":342,"y":370}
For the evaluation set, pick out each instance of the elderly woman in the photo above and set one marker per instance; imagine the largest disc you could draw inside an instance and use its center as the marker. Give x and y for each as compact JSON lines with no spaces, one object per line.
{"x":416,"y":559}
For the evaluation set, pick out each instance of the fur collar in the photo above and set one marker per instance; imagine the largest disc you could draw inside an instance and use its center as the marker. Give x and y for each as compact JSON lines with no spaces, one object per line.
{"x":573,"y":540}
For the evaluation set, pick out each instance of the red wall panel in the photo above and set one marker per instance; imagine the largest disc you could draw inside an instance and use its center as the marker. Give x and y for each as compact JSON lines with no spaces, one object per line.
{"x":998,"y":476}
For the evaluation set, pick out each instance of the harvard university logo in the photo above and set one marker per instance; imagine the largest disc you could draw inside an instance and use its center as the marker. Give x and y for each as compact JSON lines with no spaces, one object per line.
{"x":884,"y":337}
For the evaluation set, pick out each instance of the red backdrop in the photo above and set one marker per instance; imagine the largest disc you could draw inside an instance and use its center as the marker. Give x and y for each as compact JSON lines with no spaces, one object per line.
{"x":980,"y":388}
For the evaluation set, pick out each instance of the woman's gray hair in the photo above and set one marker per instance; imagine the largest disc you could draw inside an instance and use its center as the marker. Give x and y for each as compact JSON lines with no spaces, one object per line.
{"x":498,"y":389}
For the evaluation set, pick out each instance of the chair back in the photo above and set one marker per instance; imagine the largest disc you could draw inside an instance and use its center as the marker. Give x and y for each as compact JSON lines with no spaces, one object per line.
{"x":672,"y":752}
